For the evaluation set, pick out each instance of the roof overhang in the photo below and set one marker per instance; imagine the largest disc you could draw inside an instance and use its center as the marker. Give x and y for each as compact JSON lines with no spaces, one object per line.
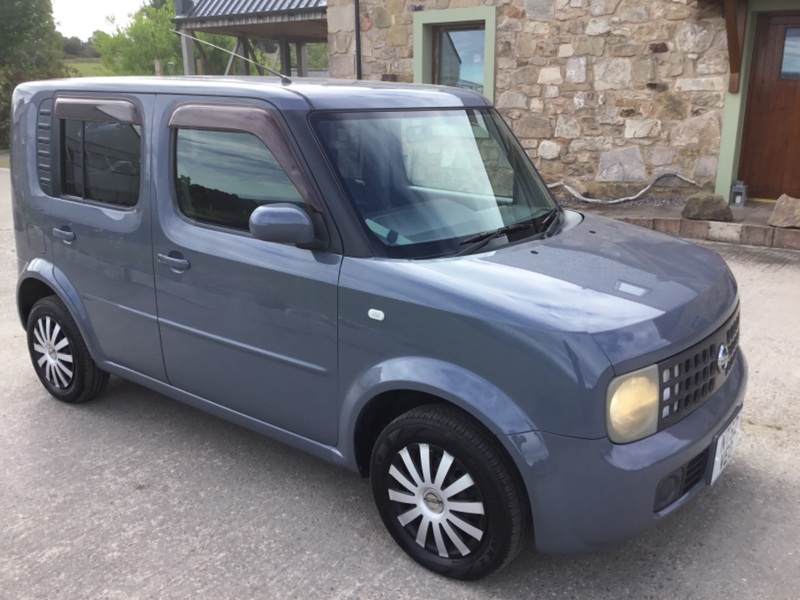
{"x":296,"y":20}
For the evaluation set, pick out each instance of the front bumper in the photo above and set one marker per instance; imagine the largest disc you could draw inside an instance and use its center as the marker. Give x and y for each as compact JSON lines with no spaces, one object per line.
{"x":589,"y":494}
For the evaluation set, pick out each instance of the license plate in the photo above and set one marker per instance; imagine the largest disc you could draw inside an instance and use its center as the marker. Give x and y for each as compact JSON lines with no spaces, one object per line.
{"x":726,"y":446}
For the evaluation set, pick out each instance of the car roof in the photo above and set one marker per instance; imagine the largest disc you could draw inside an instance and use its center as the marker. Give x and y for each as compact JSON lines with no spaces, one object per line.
{"x":305,"y":93}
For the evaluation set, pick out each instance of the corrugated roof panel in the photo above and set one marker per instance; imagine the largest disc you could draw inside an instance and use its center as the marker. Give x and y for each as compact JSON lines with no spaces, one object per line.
{"x":204,"y":9}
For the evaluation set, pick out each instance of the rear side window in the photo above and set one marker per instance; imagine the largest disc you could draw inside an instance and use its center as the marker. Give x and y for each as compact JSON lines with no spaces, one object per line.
{"x":222,"y":176}
{"x":101,"y":161}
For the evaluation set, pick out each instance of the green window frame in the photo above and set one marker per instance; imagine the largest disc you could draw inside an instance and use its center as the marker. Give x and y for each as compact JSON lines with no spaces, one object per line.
{"x":425,"y":26}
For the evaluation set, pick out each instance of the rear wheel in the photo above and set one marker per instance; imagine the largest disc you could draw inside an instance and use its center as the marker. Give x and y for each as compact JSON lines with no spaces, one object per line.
{"x":447,"y":493}
{"x":59,"y":354}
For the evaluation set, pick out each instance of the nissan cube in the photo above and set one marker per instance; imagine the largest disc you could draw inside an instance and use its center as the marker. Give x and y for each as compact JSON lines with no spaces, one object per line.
{"x":376,"y":274}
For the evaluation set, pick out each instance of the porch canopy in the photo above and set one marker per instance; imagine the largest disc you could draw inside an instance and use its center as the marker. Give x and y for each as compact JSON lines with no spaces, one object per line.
{"x":286,"y":22}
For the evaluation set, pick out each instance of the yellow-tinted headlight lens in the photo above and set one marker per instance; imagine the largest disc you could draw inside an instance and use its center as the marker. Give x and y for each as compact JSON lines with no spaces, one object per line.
{"x":632,"y":405}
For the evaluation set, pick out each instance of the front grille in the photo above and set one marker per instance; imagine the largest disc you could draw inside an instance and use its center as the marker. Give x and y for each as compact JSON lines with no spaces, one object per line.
{"x":691,"y":377}
{"x":695,"y":471}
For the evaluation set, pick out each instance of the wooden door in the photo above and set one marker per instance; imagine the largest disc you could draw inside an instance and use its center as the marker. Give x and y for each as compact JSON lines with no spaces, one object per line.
{"x":770,"y":157}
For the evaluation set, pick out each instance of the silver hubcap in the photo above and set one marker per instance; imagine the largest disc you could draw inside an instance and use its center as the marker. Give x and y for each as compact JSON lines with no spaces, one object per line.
{"x":53,"y":352}
{"x":437,"y":501}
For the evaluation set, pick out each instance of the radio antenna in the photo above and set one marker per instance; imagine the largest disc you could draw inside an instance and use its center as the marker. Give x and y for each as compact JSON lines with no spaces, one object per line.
{"x":284,"y":79}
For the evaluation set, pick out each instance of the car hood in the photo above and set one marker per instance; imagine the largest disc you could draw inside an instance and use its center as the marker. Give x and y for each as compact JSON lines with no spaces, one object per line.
{"x":638,"y":293}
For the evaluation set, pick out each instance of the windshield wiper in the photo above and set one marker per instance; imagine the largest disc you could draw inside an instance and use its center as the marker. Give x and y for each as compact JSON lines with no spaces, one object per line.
{"x":541,"y":225}
{"x":550,"y":221}
{"x":479,"y":240}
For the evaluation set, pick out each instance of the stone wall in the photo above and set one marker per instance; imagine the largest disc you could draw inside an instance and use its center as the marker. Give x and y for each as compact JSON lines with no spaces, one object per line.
{"x":604,"y":94}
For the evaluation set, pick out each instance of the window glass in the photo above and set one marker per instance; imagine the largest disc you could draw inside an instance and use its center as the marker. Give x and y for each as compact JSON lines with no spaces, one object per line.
{"x":223,"y":176}
{"x":456,"y":154}
{"x":72,"y":155}
{"x":101,"y":161}
{"x":423,"y":182}
{"x":791,"y":53}
{"x":460,"y":57}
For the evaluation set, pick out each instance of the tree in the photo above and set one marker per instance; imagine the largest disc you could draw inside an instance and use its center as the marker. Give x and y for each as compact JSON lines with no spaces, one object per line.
{"x":29,"y":49}
{"x":133,"y":49}
{"x":72,"y":46}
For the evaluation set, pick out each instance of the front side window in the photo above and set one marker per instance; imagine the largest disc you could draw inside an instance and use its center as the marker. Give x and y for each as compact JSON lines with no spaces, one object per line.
{"x":101,"y":161}
{"x":222,"y":176}
{"x":424,"y":182}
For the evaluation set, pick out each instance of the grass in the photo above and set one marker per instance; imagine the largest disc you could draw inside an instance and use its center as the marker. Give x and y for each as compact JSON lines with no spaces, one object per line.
{"x":87,"y":67}
{"x":4,"y":159}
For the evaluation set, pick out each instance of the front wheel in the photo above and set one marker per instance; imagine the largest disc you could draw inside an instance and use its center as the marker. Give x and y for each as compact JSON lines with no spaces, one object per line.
{"x":59,"y":354}
{"x":447,"y":493}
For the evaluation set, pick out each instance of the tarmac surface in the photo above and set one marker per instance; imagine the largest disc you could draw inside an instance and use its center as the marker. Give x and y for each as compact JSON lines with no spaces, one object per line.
{"x":138,"y":496}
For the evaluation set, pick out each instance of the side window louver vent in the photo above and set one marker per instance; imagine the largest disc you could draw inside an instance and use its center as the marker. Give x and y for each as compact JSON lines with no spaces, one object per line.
{"x":44,"y":147}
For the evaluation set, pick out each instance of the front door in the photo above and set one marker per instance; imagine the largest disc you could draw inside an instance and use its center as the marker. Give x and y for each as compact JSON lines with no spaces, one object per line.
{"x":246,"y":324}
{"x":770,"y":163}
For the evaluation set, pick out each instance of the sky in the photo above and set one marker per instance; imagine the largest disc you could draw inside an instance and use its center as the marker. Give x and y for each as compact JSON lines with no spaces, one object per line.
{"x":81,"y":18}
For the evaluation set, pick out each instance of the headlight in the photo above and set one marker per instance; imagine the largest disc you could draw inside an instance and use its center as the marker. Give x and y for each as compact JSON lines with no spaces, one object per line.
{"x":632,"y":405}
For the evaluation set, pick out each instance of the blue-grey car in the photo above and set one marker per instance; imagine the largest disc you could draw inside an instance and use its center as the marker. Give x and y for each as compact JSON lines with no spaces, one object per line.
{"x":377,"y":275}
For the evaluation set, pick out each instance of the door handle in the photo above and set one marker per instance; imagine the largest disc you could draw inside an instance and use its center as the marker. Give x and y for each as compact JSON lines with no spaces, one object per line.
{"x":176,"y":263}
{"x":64,"y":233}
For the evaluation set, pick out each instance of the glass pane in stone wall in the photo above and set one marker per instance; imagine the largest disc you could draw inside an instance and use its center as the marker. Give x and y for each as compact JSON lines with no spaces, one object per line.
{"x":791,"y":53}
{"x":461,"y":58}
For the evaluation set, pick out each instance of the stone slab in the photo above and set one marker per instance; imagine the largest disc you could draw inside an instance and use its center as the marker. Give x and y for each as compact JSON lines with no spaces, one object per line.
{"x":757,"y":235}
{"x":697,"y":230}
{"x":645,"y":222}
{"x":730,"y":233}
{"x":670,"y":226}
{"x":786,"y":238}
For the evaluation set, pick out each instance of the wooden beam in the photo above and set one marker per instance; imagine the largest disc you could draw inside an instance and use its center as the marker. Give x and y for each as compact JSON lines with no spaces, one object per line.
{"x":229,"y":68}
{"x":187,"y":52}
{"x":286,"y":57}
{"x":735,"y":21}
{"x":245,"y":52}
{"x":301,"y":50}
{"x":201,"y":49}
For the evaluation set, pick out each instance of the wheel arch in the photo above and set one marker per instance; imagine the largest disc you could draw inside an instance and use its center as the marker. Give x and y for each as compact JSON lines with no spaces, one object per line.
{"x":394,"y":387}
{"x":40,"y":279}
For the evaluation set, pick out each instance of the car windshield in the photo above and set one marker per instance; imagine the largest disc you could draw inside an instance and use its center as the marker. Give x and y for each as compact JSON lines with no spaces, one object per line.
{"x":424,"y":183}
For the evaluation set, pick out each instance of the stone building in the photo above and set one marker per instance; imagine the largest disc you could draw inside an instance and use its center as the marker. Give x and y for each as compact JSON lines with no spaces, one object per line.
{"x":606,"y":94}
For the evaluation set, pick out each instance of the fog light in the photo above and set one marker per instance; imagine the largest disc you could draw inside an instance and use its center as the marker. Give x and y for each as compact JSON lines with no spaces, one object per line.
{"x":668,"y":490}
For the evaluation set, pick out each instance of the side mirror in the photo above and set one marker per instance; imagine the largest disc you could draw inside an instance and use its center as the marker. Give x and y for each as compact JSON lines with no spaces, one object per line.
{"x":282,"y":223}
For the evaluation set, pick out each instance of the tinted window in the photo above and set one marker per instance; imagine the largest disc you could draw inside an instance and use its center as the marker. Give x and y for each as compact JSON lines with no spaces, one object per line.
{"x":101,"y":161}
{"x":223,"y":176}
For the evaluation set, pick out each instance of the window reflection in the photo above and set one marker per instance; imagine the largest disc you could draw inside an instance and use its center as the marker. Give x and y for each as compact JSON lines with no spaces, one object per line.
{"x":460,"y":57}
{"x":791,"y":54}
{"x":222,"y":176}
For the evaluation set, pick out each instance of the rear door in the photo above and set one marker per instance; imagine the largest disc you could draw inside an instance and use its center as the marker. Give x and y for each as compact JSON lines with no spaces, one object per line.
{"x":247,"y":324}
{"x":101,"y":223}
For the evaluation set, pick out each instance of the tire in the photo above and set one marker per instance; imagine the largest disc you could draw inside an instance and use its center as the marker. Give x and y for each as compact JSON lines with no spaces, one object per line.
{"x":474,"y":513}
{"x":60,"y":356}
